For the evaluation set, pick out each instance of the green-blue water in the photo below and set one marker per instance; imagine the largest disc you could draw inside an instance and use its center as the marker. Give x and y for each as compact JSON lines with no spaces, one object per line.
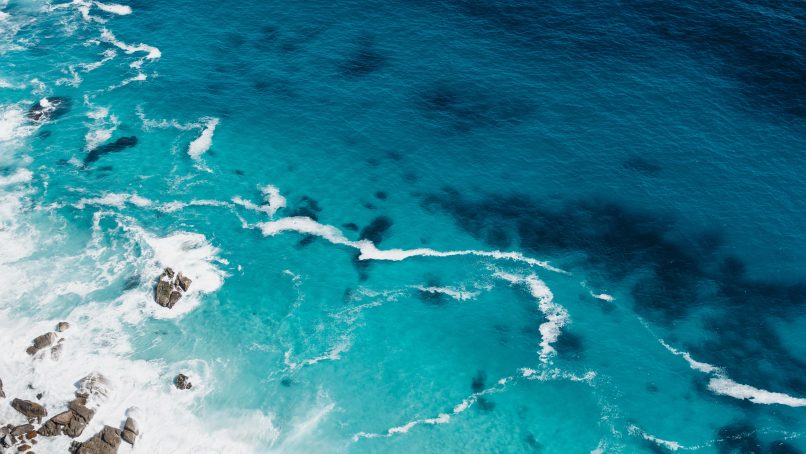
{"x":458,"y":226}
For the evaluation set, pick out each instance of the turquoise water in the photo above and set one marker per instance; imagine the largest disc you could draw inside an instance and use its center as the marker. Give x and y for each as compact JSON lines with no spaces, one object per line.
{"x":411,"y":226}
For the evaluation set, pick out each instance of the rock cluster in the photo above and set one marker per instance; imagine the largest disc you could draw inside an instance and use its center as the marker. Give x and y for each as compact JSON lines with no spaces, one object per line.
{"x":170,"y":288}
{"x":130,"y":431}
{"x":24,"y":435}
{"x":40,"y":342}
{"x":182,"y":381}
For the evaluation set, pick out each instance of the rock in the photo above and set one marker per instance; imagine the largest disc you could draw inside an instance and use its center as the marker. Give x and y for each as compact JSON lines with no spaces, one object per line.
{"x":22,"y":430}
{"x":174,"y":298}
{"x":71,"y":422}
{"x":2,"y":393}
{"x":170,"y":288}
{"x":63,"y":418}
{"x":49,"y":108}
{"x":40,"y":342}
{"x":183,"y":282}
{"x":182,"y":381}
{"x":23,"y":448}
{"x":106,"y":441}
{"x":163,"y":293}
{"x":30,"y":410}
{"x":95,"y":386}
{"x":130,"y":431}
{"x":62,"y":327}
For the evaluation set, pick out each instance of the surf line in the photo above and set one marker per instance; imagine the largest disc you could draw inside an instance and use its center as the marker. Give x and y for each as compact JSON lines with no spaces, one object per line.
{"x":368,"y":250}
{"x":723,"y":385}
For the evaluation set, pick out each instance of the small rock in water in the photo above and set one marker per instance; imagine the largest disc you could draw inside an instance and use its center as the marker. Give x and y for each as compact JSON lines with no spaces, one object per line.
{"x":30,"y":410}
{"x":170,"y":288}
{"x":182,"y":381}
{"x":40,"y":342}
{"x":2,"y":394}
{"x":22,"y":430}
{"x":62,"y":327}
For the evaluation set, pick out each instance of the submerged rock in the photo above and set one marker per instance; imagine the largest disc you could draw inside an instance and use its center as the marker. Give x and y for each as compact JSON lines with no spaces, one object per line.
{"x":30,"y":410}
{"x":182,"y":381}
{"x":106,"y":441}
{"x":94,"y":385}
{"x":170,"y":288}
{"x":40,"y":342}
{"x":49,"y":108}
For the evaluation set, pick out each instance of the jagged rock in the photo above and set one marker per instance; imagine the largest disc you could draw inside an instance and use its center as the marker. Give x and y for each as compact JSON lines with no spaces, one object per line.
{"x":106,"y":441}
{"x":30,"y":410}
{"x":170,"y":288}
{"x":71,"y":422}
{"x":183,"y":282}
{"x":2,"y":393}
{"x":94,"y":385}
{"x":40,"y":342}
{"x":22,"y":430}
{"x":62,"y":327}
{"x":130,"y":431}
{"x":182,"y":381}
{"x":174,"y":298}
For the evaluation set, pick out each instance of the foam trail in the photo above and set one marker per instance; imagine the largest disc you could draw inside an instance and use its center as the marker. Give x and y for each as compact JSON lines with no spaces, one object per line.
{"x":113,"y":8}
{"x":556,"y":315}
{"x":369,"y":251}
{"x":670,"y":445}
{"x":442,"y":418}
{"x":152,"y":52}
{"x":721,"y":384}
{"x":457,"y":294}
{"x":201,"y":144}
{"x":272,"y":198}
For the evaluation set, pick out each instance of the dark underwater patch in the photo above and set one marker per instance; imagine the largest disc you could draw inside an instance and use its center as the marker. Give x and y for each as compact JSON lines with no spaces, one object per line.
{"x":642,"y":165}
{"x":351,"y":226}
{"x":738,"y":437}
{"x":44,"y":134}
{"x":673,"y":270}
{"x":381,"y":195}
{"x":570,"y":346}
{"x":114,"y":147}
{"x":782,"y":447}
{"x":376,"y":230}
{"x":365,"y":60}
{"x":479,"y":381}
{"x":306,"y":206}
{"x":463,"y":107}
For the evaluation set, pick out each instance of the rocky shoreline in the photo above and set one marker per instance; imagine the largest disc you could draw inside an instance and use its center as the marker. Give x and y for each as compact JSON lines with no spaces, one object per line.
{"x":91,"y":392}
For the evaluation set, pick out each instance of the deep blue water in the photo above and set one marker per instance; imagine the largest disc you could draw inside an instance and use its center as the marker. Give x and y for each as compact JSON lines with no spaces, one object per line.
{"x":342,"y":182}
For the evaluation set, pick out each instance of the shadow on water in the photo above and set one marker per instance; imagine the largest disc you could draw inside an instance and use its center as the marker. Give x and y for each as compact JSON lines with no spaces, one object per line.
{"x":672,"y":272}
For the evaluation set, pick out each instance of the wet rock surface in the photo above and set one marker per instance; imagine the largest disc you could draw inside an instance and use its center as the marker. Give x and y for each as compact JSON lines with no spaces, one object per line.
{"x":106,"y":441}
{"x":182,"y":381}
{"x":170,"y":288}
{"x":31,"y":410}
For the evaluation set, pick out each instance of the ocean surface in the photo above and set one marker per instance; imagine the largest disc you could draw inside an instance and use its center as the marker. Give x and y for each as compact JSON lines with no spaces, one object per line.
{"x":411,"y":226}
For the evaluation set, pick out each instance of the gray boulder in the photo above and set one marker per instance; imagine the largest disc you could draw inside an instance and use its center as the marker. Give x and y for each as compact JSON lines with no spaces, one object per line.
{"x":130,"y":431}
{"x":62,"y":327}
{"x":40,"y":342}
{"x":30,"y":410}
{"x":106,"y":441}
{"x":183,"y":282}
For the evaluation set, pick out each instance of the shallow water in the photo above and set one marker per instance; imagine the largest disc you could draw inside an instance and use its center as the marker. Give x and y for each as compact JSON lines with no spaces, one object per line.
{"x":477,"y":225}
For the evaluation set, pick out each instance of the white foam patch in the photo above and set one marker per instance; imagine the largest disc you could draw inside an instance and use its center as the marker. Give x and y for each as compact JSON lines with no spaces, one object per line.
{"x":101,"y":129}
{"x":19,"y":176}
{"x":368,"y":250}
{"x":14,"y":124}
{"x":272,"y":201}
{"x":113,"y":8}
{"x":721,"y":384}
{"x":556,"y":315}
{"x":201,"y":144}
{"x":121,"y":200}
{"x":165,"y":124}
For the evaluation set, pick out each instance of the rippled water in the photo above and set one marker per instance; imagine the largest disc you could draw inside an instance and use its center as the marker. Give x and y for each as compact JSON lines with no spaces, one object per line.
{"x":411,"y":226}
